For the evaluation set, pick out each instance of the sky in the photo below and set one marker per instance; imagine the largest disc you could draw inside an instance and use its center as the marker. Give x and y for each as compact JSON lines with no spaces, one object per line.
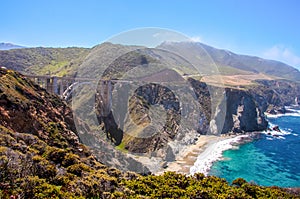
{"x":264,"y":28}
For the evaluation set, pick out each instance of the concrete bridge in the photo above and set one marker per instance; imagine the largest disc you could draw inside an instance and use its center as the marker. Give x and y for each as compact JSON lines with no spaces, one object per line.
{"x":57,"y":85}
{"x":64,"y":86}
{"x":52,"y":84}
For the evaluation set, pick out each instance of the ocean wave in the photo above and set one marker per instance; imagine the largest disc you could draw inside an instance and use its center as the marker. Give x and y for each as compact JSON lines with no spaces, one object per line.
{"x":294,"y":112}
{"x":282,"y":115}
{"x":276,"y":133}
{"x":282,"y":131}
{"x":272,"y":134}
{"x":281,"y":137}
{"x":293,"y":108}
{"x":213,"y":153}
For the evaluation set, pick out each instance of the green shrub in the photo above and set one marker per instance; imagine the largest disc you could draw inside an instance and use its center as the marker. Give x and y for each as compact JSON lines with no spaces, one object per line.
{"x":78,"y":169}
{"x":70,"y":159}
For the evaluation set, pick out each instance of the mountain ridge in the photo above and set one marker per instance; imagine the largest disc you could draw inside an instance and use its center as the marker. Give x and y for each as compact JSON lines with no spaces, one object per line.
{"x":224,"y":58}
{"x":65,"y":61}
{"x":9,"y":46}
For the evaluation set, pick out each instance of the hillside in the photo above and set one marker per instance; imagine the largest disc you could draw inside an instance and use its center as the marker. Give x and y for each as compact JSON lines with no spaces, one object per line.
{"x":41,"y":153}
{"x":42,"y":61}
{"x":88,"y":62}
{"x":229,"y":63}
{"x":43,"y":157}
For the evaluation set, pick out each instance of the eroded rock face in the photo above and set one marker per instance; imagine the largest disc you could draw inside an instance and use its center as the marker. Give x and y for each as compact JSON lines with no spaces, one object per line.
{"x":155,"y":135}
{"x":242,"y":113}
{"x":273,"y":95}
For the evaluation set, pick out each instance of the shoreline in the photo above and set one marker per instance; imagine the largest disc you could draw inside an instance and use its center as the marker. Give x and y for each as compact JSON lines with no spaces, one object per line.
{"x":291,"y":112}
{"x":201,"y":156}
{"x":209,"y":149}
{"x":214,"y":152}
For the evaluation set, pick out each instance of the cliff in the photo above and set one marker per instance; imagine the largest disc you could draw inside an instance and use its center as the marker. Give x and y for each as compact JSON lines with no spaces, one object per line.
{"x":273,"y":95}
{"x":242,"y":113}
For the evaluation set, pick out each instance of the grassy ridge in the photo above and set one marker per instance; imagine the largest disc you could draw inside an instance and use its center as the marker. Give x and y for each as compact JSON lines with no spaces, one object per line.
{"x":42,"y":61}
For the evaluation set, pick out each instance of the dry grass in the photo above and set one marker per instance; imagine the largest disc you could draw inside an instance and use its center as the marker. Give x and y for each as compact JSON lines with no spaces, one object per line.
{"x":234,"y":80}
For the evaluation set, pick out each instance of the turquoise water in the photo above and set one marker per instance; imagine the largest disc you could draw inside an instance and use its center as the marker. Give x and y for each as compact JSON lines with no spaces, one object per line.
{"x":269,"y":160}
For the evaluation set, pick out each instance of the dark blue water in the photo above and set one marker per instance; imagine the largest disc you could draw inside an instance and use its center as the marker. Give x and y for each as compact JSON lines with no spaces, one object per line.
{"x":270,"y":160}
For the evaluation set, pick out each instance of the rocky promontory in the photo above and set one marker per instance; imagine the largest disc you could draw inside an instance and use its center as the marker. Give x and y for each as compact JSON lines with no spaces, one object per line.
{"x":273,"y":96}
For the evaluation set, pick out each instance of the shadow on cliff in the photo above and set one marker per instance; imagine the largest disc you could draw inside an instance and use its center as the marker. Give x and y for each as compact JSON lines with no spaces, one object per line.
{"x":113,"y":132}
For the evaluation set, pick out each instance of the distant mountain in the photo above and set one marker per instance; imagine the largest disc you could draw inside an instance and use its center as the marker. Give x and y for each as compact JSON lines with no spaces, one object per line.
{"x":119,"y":61}
{"x":202,"y":55}
{"x":8,"y":46}
{"x":181,"y":56}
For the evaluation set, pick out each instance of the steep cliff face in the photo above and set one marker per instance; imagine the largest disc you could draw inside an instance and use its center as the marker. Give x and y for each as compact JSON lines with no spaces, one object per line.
{"x":239,"y":112}
{"x":242,"y":113}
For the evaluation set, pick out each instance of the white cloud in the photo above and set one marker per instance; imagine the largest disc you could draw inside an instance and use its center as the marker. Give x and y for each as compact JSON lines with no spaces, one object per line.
{"x":196,"y":39}
{"x":283,"y":54}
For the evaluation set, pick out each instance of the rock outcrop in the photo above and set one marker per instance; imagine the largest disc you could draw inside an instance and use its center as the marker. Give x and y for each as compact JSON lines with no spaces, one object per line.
{"x":273,"y":95}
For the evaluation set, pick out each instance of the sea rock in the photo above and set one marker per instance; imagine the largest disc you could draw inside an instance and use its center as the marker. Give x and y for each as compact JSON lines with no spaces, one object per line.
{"x":276,"y":128}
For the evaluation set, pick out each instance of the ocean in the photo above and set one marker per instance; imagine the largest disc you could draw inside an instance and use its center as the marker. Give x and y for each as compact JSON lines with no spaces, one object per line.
{"x":271,"y":160}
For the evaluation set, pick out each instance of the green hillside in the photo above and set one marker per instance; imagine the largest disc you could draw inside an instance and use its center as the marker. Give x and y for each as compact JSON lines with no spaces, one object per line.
{"x":92,"y":62}
{"x":42,"y":61}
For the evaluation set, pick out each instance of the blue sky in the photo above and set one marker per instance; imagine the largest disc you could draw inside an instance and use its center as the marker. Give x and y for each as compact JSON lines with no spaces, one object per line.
{"x":264,"y":28}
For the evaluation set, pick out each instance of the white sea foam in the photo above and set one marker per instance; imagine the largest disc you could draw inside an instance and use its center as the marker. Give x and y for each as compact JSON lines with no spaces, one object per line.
{"x":213,"y":153}
{"x":276,"y":133}
{"x":281,"y":115}
{"x":294,"y":112}
{"x":293,"y":109}
{"x":282,"y":131}
{"x":272,"y":135}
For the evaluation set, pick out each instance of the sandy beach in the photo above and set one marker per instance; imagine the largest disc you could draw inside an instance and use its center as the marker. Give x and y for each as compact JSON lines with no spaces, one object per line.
{"x":200,"y":156}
